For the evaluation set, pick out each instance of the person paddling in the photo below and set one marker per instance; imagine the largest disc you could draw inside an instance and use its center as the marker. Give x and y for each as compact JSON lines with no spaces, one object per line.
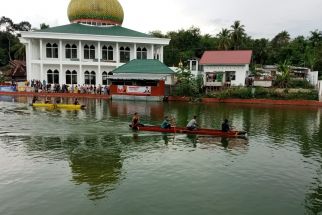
{"x":76,"y":102}
{"x":34,"y":99}
{"x":166,"y":124}
{"x":225,"y":127}
{"x":136,"y":121}
{"x":192,"y":125}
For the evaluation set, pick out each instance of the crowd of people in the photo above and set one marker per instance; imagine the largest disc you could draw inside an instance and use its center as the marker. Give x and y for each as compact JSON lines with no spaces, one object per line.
{"x":39,"y":86}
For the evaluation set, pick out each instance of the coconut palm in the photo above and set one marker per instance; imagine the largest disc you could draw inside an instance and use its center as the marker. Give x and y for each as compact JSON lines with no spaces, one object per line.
{"x":19,"y":50}
{"x":281,"y":39}
{"x":224,"y":40}
{"x":316,"y":37}
{"x":237,"y":35}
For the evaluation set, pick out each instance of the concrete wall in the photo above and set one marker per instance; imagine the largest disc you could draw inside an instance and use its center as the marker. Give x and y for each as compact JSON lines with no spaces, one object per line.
{"x":240,"y":72}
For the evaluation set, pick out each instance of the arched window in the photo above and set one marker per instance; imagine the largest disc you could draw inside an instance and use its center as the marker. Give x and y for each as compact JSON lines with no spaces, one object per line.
{"x":68,"y":52}
{"x":110,"y":55}
{"x":124,"y":54}
{"x":87,"y":77}
{"x":141,"y":53}
{"x":104,"y":78}
{"x":53,"y":76}
{"x":74,"y":51}
{"x":107,"y":53}
{"x":104,"y":53}
{"x":49,"y":53}
{"x":71,"y":77}
{"x":55,"y":50}
{"x":92,"y":52}
{"x":90,"y":78}
{"x":93,"y":78}
{"x":86,"y":52}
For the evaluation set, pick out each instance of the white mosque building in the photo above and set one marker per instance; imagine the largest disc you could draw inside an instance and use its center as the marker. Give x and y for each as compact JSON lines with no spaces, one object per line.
{"x":89,"y":48}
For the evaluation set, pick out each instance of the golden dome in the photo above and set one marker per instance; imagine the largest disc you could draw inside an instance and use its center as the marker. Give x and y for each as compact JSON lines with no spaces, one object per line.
{"x":100,"y":11}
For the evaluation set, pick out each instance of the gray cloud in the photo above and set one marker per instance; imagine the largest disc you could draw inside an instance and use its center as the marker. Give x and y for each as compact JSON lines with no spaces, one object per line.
{"x":262,"y":18}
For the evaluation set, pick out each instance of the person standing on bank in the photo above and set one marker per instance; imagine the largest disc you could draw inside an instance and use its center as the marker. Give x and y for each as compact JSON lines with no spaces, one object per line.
{"x":192,"y":125}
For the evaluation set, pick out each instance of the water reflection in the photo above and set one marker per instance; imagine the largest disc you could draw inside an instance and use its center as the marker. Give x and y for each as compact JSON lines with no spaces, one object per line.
{"x":96,"y":162}
{"x":96,"y":142}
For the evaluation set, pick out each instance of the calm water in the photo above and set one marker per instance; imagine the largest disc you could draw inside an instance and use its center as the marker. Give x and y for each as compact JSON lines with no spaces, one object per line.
{"x":89,"y":162}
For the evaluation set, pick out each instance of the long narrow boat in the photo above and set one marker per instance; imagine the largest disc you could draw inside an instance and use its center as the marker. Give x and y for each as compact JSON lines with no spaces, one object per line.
{"x":199,"y":131}
{"x":62,"y":106}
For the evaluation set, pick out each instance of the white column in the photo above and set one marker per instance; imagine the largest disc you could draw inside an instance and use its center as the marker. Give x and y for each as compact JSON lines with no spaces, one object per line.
{"x":161,"y":54}
{"x":41,"y":61}
{"x":152,"y":52}
{"x":99,"y":75}
{"x":134,"y":53}
{"x":80,"y":80}
{"x":190,"y":65}
{"x":61,"y":72}
{"x":117,"y":54}
{"x":80,"y":51}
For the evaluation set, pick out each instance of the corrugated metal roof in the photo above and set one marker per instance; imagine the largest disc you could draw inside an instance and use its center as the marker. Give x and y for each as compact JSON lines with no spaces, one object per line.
{"x":131,"y":76}
{"x":226,"y":57}
{"x":148,"y":66}
{"x":76,"y":28}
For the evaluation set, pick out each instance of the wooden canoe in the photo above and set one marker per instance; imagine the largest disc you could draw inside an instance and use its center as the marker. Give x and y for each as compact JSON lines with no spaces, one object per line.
{"x":199,"y":131}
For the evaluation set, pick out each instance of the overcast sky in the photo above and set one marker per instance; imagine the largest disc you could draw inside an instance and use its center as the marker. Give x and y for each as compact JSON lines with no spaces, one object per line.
{"x":262,"y":18}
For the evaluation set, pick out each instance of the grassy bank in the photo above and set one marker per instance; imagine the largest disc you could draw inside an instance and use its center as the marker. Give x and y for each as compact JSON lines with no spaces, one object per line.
{"x":265,"y":93}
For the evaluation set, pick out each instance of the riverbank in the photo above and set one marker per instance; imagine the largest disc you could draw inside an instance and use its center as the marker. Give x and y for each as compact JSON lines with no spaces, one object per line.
{"x":61,"y":95}
{"x":251,"y":101}
{"x":175,"y":98}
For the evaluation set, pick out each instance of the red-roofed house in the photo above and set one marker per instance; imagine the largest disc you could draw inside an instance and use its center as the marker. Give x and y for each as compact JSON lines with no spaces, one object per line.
{"x":225,"y":68}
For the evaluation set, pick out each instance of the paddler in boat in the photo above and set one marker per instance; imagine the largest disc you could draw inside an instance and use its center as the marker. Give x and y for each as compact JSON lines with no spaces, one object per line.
{"x":76,"y":102}
{"x":192,"y":124}
{"x":136,"y":121}
{"x":166,"y":123}
{"x":225,"y":127}
{"x":34,"y":99}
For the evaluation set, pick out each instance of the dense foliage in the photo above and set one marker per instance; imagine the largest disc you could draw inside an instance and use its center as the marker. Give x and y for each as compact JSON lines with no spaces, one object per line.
{"x":265,"y":93}
{"x":10,"y":46}
{"x":299,"y":51}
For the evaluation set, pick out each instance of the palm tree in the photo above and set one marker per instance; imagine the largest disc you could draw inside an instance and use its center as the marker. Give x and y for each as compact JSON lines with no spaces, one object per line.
{"x":285,"y":70}
{"x":281,"y":39}
{"x":19,"y":50}
{"x":224,"y":39}
{"x":316,"y":37}
{"x":237,"y":35}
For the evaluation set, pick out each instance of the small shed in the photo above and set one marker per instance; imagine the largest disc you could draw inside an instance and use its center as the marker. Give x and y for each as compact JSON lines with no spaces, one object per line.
{"x":140,"y":80}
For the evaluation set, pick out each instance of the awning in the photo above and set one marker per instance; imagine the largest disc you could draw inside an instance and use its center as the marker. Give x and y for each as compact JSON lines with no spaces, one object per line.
{"x":130,"y":76}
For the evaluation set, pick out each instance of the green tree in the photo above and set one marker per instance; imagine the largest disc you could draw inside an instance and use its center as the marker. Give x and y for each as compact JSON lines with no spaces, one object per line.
{"x":237,"y":35}
{"x":44,"y":26}
{"x":224,"y":41}
{"x":19,"y":50}
{"x":285,"y":76}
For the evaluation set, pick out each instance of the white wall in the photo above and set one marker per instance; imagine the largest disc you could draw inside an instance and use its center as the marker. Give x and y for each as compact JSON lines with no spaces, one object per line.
{"x":313,"y":78}
{"x":240,"y":72}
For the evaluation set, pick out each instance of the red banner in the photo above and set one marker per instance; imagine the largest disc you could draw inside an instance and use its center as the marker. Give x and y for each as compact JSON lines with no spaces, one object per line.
{"x":137,"y":90}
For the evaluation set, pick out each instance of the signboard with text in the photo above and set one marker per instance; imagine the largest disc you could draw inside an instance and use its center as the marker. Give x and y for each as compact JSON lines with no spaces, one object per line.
{"x":137,"y":90}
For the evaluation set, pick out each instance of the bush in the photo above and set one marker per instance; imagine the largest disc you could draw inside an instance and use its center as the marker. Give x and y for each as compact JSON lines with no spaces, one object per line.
{"x":304,"y":84}
{"x":263,"y":93}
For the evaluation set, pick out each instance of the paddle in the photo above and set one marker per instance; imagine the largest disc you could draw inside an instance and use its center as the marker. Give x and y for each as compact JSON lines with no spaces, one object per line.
{"x":173,"y":124}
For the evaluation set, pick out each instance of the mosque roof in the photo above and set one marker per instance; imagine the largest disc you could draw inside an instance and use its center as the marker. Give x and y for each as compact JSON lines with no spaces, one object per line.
{"x":76,"y":28}
{"x":100,"y":11}
{"x":148,"y":66}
